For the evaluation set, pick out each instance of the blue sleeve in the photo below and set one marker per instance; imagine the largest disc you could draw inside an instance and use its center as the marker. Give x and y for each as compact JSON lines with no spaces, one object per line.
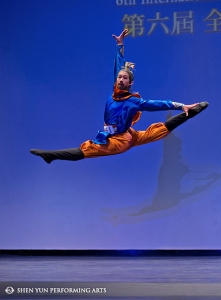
{"x":119,"y":61}
{"x":154,"y":105}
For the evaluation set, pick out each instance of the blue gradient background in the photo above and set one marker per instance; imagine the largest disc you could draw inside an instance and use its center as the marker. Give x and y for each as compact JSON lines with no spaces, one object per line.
{"x":56,"y":62}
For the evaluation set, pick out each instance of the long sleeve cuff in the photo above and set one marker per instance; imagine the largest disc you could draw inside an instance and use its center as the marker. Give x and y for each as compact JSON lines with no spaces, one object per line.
{"x":178,"y":105}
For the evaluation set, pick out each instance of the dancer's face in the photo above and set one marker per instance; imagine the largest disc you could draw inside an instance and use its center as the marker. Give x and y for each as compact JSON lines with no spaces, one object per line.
{"x":123,"y":81}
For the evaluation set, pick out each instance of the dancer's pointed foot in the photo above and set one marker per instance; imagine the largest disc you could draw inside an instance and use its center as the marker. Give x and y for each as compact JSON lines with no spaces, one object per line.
{"x":196,"y":110}
{"x":44,"y":154}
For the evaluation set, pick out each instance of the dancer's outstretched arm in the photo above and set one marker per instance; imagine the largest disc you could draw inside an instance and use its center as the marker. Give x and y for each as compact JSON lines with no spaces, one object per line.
{"x":119,"y":60}
{"x":157,"y":105}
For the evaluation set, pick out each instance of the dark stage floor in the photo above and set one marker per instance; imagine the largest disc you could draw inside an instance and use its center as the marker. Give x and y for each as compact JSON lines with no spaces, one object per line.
{"x":56,"y":277}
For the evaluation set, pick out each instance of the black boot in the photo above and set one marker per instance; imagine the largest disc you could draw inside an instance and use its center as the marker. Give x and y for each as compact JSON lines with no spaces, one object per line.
{"x":66,"y":154}
{"x":177,"y":120}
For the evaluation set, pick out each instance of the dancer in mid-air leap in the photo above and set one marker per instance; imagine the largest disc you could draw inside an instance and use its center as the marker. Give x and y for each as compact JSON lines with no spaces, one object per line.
{"x":123,"y":109}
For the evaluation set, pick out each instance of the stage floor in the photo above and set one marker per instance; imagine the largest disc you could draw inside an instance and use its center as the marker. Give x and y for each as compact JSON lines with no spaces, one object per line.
{"x":68,"y":277}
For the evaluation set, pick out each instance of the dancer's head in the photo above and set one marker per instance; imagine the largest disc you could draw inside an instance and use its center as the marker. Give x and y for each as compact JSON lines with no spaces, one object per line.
{"x":125,"y":79}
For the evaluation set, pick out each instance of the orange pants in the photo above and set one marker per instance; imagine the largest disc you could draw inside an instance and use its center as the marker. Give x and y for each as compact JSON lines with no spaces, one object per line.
{"x":122,"y":142}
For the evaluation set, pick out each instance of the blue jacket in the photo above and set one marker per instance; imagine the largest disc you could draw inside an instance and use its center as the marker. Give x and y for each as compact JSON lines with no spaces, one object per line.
{"x":121,"y":113}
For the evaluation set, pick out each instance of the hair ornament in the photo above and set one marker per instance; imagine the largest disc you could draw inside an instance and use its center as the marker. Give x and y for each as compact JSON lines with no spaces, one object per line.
{"x":129,"y":66}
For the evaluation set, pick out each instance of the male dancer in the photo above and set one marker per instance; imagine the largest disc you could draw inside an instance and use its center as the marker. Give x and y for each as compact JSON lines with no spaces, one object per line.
{"x":123,"y":109}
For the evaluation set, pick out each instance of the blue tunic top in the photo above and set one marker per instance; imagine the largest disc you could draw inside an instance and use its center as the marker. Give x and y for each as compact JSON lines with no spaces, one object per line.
{"x":121,"y":113}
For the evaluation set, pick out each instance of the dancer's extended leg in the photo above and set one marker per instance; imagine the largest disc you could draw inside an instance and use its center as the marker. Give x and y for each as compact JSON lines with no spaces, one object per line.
{"x":160,"y":130}
{"x":116,"y":144}
{"x":66,"y":154}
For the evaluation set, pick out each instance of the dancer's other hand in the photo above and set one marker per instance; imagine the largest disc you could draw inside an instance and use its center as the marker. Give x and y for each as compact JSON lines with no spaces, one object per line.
{"x":186,"y":108}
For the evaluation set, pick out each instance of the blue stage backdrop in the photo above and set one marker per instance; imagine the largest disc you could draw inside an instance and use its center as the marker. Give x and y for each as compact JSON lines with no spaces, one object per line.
{"x":56,"y":62}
